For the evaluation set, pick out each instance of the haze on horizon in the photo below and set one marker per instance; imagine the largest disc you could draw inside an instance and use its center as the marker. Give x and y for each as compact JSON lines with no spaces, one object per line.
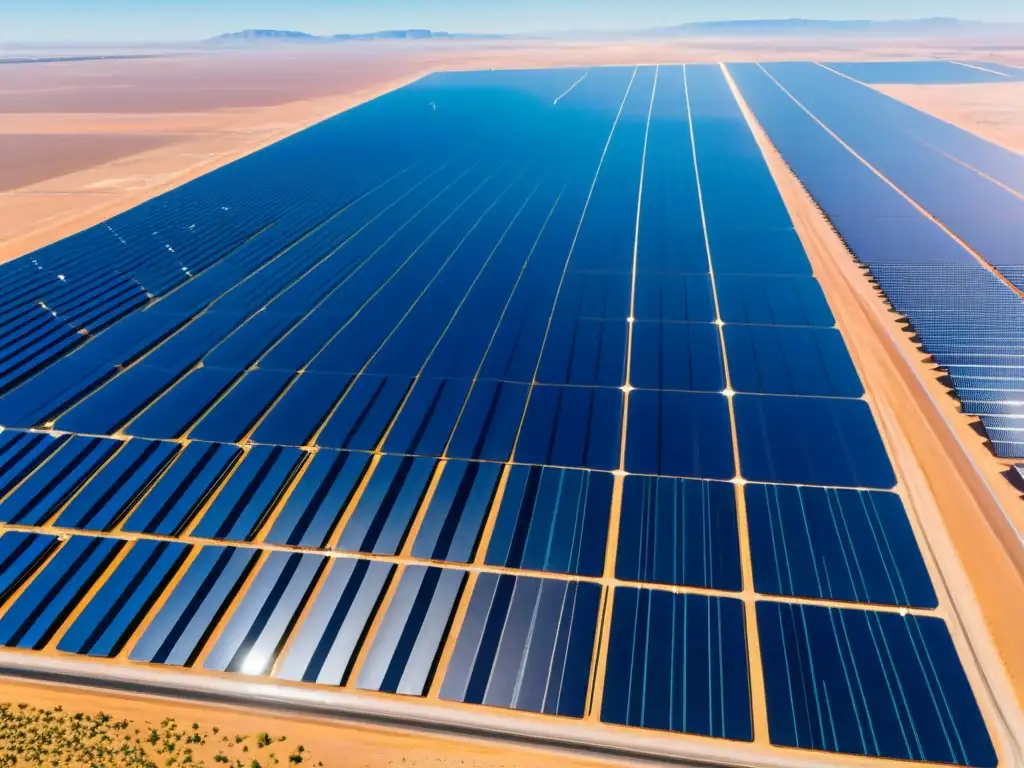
{"x":127,"y":21}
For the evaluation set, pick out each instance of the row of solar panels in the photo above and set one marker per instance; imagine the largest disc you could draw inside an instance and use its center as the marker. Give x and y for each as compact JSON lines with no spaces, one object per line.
{"x":806,"y":440}
{"x":962,"y":313}
{"x":546,"y":519}
{"x":522,"y":642}
{"x":62,"y":294}
{"x":927,"y":72}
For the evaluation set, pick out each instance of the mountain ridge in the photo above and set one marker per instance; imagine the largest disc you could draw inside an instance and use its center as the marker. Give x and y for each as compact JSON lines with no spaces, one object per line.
{"x":939,"y":25}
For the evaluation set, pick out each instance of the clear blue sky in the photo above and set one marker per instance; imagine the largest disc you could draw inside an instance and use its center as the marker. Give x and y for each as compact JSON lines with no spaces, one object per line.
{"x":179,"y":20}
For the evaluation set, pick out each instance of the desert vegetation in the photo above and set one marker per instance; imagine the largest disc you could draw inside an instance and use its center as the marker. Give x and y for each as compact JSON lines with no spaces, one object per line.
{"x":33,"y":736}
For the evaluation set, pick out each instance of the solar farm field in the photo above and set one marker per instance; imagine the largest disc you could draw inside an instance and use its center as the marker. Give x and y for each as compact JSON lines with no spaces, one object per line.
{"x":507,"y":392}
{"x":935,"y":213}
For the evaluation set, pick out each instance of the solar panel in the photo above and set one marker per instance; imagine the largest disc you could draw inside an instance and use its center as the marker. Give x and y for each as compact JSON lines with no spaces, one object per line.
{"x":526,"y":644}
{"x":811,"y":440}
{"x":883,"y":685}
{"x":832,"y":544}
{"x":679,"y":532}
{"x":705,"y":689}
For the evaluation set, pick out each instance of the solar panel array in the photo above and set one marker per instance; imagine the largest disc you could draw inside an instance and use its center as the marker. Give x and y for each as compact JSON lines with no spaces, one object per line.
{"x":927,"y":72}
{"x":968,"y":313}
{"x":507,"y":388}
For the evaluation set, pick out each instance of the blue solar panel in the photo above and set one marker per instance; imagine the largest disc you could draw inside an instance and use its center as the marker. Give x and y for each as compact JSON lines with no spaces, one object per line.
{"x":552,"y":520}
{"x":178,"y":631}
{"x":31,"y":620}
{"x":917,"y":72}
{"x":790,"y":361}
{"x":868,"y":683}
{"x":493,"y":364}
{"x":525,"y":644}
{"x":109,"y":619}
{"x":571,"y":427}
{"x":325,"y":643}
{"x":381,"y":518}
{"x":824,"y":543}
{"x":680,"y":532}
{"x":20,"y":555}
{"x":772,"y":300}
{"x":686,"y":434}
{"x":454,"y":518}
{"x":317,"y":501}
{"x":703,"y":689}
{"x":677,"y":356}
{"x":404,"y":655}
{"x":810,"y":440}
{"x":249,"y":641}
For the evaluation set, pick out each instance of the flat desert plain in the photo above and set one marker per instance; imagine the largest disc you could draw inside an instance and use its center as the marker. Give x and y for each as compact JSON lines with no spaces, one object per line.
{"x":121,"y":131}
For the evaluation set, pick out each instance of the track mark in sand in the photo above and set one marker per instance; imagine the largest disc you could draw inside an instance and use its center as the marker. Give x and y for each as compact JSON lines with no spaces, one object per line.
{"x":568,"y":90}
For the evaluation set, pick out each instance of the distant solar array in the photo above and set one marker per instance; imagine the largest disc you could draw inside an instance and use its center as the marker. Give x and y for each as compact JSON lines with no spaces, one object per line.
{"x":506,"y":388}
{"x":967,"y":312}
{"x":927,"y":72}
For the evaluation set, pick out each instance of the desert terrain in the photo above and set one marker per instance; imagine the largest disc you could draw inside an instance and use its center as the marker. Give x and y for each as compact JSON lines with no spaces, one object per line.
{"x":82,"y":141}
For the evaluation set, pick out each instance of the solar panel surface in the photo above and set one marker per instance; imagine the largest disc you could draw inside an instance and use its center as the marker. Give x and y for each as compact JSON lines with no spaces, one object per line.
{"x":481,"y":417}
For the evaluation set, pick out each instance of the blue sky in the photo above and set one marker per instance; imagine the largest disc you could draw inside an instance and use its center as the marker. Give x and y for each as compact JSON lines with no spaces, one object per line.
{"x":157,"y":20}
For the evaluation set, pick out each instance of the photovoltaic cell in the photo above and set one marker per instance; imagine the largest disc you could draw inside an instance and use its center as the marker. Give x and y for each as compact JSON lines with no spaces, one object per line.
{"x":766,"y":300}
{"x":382,"y":516}
{"x":680,"y":532}
{"x":552,"y":520}
{"x":170,"y":416}
{"x":679,"y":433}
{"x":295,"y":418}
{"x":686,"y":356}
{"x":21,"y":453}
{"x":427,"y":419}
{"x":182,"y":626}
{"x":790,"y":361}
{"x":325,"y":644}
{"x":868,"y":683}
{"x":31,"y":620}
{"x":457,"y":510}
{"x":824,"y":543}
{"x":182,"y":489}
{"x":56,"y":481}
{"x":121,"y":604}
{"x":571,"y":427}
{"x":250,"y":494}
{"x":490,"y":422}
{"x":525,"y":644}
{"x":363,"y":415}
{"x":251,"y":639}
{"x":811,"y":440}
{"x":678,"y":663}
{"x":407,"y":644}
{"x":316,"y":503}
{"x":234,"y":416}
{"x":101,"y":504}
{"x":20,"y":554}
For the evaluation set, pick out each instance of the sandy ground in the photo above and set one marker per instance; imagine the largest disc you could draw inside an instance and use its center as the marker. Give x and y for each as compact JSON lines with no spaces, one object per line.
{"x":993,"y":111}
{"x":957,"y":497}
{"x":336,"y":745}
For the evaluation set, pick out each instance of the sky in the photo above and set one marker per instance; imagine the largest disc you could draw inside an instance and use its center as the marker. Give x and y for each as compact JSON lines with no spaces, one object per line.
{"x":183,"y":20}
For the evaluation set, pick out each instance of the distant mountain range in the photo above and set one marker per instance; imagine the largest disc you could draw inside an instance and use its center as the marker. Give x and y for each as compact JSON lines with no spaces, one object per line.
{"x":935,"y":27}
{"x":279,"y":35}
